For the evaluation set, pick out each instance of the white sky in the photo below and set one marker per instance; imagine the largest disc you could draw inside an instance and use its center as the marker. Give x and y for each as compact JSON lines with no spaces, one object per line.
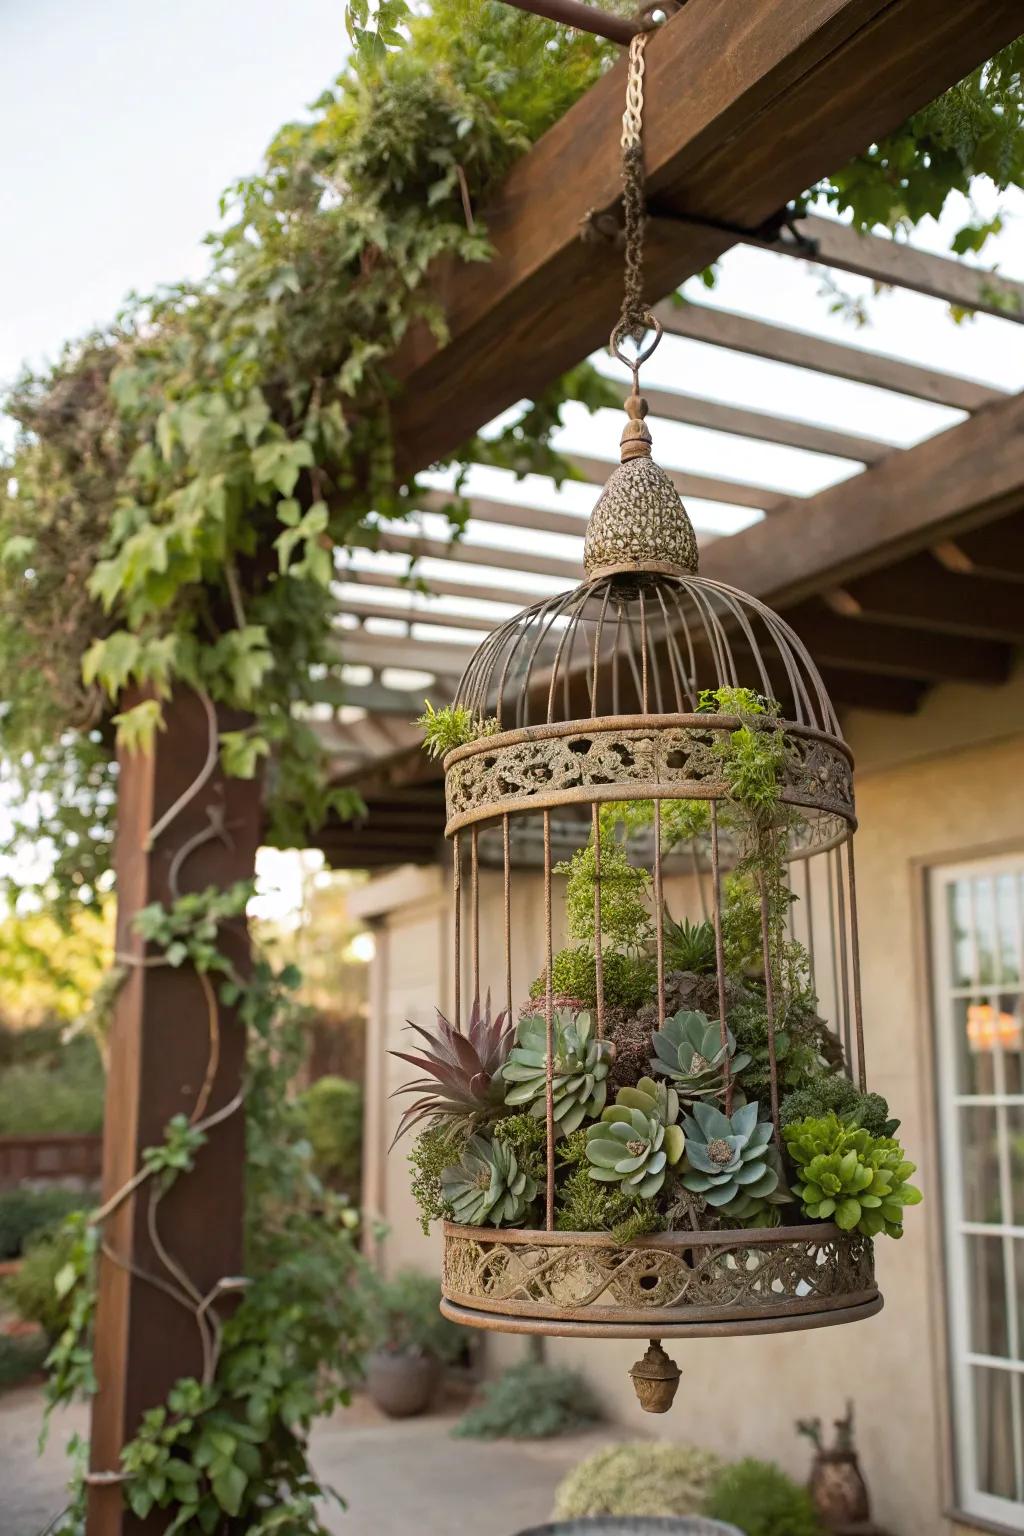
{"x":125,"y":121}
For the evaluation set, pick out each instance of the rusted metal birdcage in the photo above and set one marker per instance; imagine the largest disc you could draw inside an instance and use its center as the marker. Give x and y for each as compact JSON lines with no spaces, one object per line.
{"x":602,"y":695}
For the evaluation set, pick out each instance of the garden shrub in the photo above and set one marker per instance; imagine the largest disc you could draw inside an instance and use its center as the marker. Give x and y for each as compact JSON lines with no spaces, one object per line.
{"x":21,"y":1356}
{"x":531,"y":1402}
{"x":758,"y":1498}
{"x":333,"y":1114}
{"x":648,"y":1478}
{"x":403,"y":1316}
{"x":33,"y":1288}
{"x":24,"y":1212}
{"x":62,"y":1096}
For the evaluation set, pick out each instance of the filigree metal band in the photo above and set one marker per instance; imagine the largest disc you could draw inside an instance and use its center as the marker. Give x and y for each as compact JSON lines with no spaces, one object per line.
{"x":664,"y":756}
{"x":677,"y":1278}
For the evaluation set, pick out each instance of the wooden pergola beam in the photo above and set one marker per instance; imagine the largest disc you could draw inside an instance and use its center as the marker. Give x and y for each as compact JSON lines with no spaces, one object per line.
{"x":919,"y":590}
{"x":441,"y":586}
{"x":787,"y":93}
{"x":958,"y":479}
{"x":480,"y":554}
{"x":764,"y":427}
{"x":738,"y":493}
{"x":904,"y":266}
{"x":840,"y":360}
{"x":859,"y":645}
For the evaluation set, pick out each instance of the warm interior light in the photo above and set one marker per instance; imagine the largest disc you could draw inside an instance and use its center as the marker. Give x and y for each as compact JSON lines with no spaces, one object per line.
{"x":987,"y":1028}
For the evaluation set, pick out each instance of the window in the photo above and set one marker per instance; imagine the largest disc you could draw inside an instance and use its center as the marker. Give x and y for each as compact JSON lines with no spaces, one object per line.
{"x":978,"y":961}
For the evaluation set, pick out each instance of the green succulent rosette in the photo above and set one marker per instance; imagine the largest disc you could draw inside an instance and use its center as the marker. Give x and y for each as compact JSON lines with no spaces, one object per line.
{"x":487,"y":1185}
{"x":637,"y":1138}
{"x":846,"y":1175}
{"x":688,"y":1049}
{"x":729,"y":1157}
{"x":579,"y":1070}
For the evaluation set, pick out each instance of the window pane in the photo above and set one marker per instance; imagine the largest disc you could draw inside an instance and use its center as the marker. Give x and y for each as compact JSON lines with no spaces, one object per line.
{"x":973,"y":1039}
{"x":981,"y":1164}
{"x":985,"y":933}
{"x":993,"y":1431}
{"x":986,"y":1289}
{"x":1015,"y":1137}
{"x":1008,"y":919}
{"x":961,"y":950}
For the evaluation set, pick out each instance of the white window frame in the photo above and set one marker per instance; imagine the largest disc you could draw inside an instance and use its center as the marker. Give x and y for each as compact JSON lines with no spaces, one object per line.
{"x":971,"y":1499}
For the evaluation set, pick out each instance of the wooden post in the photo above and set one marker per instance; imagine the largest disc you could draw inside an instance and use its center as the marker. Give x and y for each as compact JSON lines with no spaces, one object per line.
{"x":159,"y":1053}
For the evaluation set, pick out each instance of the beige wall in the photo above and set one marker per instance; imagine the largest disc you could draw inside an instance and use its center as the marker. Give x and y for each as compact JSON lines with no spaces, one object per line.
{"x":946,"y":783}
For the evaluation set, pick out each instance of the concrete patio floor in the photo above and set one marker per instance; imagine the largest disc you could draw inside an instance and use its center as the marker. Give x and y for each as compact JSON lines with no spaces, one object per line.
{"x":399,"y":1477}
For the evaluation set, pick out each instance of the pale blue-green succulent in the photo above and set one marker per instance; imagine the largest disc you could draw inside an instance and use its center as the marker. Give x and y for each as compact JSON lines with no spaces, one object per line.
{"x":637,"y":1139}
{"x":688,"y":1049}
{"x":487,"y":1185}
{"x":579,"y":1069}
{"x":729,"y":1157}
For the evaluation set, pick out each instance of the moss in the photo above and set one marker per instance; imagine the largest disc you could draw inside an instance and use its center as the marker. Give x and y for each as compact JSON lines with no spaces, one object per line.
{"x":451,"y":727}
{"x":836,"y":1093}
{"x":625,"y":919}
{"x":629,"y":980}
{"x":583,"y":1205}
{"x":526,"y":1136}
{"x":758,"y":1498}
{"x":644,"y":1479}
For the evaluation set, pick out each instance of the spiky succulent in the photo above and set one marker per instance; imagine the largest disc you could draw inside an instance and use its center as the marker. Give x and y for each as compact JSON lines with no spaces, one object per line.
{"x":463,"y":1082}
{"x":728,"y":1156}
{"x":688,"y":1049}
{"x":689,"y":946}
{"x":859,"y":1181}
{"x":579,"y":1069}
{"x":487,"y":1185}
{"x":637,"y":1138}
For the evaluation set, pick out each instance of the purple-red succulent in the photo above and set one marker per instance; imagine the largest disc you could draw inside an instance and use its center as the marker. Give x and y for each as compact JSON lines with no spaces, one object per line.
{"x":463,"y":1082}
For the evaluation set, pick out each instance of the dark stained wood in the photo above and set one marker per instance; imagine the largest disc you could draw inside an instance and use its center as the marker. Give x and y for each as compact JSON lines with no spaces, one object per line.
{"x":960,"y":479}
{"x":50,"y":1156}
{"x":856,"y":690}
{"x":786,"y":94}
{"x":892,"y":261}
{"x":996,"y":550}
{"x":801,"y":349}
{"x":921,"y":591}
{"x":764,"y":427}
{"x":159,"y":1049}
{"x":862,"y":646}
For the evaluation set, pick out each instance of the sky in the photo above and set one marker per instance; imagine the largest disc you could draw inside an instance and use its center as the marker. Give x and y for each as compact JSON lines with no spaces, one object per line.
{"x":124,"y":122}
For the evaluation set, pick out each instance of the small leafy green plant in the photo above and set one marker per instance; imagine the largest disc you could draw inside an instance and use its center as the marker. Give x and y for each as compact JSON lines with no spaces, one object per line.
{"x":859,"y":1181}
{"x":531,"y":1402}
{"x":760,"y":1500}
{"x":404,"y":1317}
{"x":451,"y":727}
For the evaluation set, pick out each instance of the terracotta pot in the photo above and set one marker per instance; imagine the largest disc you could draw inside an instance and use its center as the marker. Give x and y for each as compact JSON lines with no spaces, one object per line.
{"x":401,"y":1384}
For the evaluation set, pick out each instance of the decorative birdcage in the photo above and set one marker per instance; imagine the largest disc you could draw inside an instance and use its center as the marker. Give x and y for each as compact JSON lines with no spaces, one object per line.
{"x":639,"y":700}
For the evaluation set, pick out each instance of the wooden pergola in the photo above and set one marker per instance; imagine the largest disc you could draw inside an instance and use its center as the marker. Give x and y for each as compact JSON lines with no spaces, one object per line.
{"x":904,"y":575}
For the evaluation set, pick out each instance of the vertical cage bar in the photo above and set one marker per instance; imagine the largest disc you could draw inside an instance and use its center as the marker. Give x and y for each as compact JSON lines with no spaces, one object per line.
{"x":769,"y":1000}
{"x":474,"y":886}
{"x":598,"y":946}
{"x":716,"y":903}
{"x":549,"y":1089}
{"x":844,"y":959}
{"x":809,"y":909}
{"x":457,"y":924}
{"x":644,"y":663}
{"x":507,"y":903}
{"x":830,"y":886}
{"x":858,"y":1011}
{"x":659,"y":914}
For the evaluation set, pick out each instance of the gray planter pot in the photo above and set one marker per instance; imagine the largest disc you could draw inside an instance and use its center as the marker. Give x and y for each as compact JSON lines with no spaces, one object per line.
{"x":635,"y":1525}
{"x":401,"y":1385}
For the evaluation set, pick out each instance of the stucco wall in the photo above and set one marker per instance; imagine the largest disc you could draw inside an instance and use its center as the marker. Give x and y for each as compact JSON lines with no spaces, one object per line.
{"x":945,"y":784}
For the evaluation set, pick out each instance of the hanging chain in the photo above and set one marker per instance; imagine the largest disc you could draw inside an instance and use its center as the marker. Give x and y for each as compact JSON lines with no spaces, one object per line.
{"x":634,"y":319}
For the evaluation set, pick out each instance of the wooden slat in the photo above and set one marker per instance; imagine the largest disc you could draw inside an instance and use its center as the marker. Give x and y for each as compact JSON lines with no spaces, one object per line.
{"x":440,"y":586}
{"x":480,"y":554}
{"x":801,"y":349}
{"x":960,"y":478}
{"x":892,"y":261}
{"x":856,"y":690}
{"x":509,"y":514}
{"x":761,"y":425}
{"x":995,"y":550}
{"x":862,"y":646}
{"x":435,"y":656}
{"x":420,"y":615}
{"x":921,"y":591}
{"x":708,"y":487}
{"x":786,"y":94}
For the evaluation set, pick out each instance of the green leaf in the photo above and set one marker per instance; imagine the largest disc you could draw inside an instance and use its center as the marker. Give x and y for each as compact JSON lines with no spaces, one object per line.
{"x":240,"y":753}
{"x":229,"y":1487}
{"x":137,"y":727}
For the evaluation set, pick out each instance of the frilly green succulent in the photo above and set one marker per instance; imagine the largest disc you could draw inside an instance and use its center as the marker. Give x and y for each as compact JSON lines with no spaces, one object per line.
{"x":729,"y":1157}
{"x":637,"y":1139}
{"x":688,"y":1049}
{"x":487,"y":1185}
{"x":579,"y":1069}
{"x":846,"y":1175}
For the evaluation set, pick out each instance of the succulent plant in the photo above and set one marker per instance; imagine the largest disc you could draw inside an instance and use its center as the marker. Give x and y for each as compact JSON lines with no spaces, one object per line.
{"x":579,"y":1069}
{"x":463,"y":1082}
{"x":689,"y":946}
{"x":688,"y":1049}
{"x":846,"y":1175}
{"x":637,"y":1138}
{"x":487,"y":1185}
{"x":728,"y":1156}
